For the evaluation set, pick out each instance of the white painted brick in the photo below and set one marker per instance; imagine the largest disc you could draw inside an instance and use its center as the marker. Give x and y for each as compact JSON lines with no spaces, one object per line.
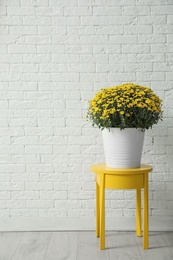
{"x":4,"y":195}
{"x":153,"y":38}
{"x":24,"y":195}
{"x":22,"y":49}
{"x":55,"y":3}
{"x":80,"y":212}
{"x":36,"y":58}
{"x":10,"y":58}
{"x":24,"y":68}
{"x":3,"y":10}
{"x":40,"y":204}
{"x":39,"y":168}
{"x":24,"y":213}
{"x":136,"y":10}
{"x":63,"y":58}
{"x":36,"y":20}
{"x":37,"y":77}
{"x":22,"y":85}
{"x":65,"y":39}
{"x":65,"y":77}
{"x":123,"y":39}
{"x":9,"y":2}
{"x":38,"y":131}
{"x":11,"y":149}
{"x":158,"y":19}
{"x":33,"y":149}
{"x":11,"y":76}
{"x":165,"y":66}
{"x":167,"y":28}
{"x":53,"y":195}
{"x":37,"y":186}
{"x":43,"y":122}
{"x":138,"y":29}
{"x":25,"y":159}
{"x":4,"y":178}
{"x":48,"y":11}
{"x":56,"y":140}
{"x":80,"y":30}
{"x":169,"y":76}
{"x":37,"y":39}
{"x":135,"y":49}
{"x":19,"y":10}
{"x":12,"y":204}
{"x":3,"y":50}
{"x":150,"y":76}
{"x":107,"y":11}
{"x":57,"y":21}
{"x":51,"y":30}
{"x":34,"y":2}
{"x":5,"y":159}
{"x":151,"y":57}
{"x":67,"y":204}
{"x":5,"y":186}
{"x":108,"y":20}
{"x":164,"y":9}
{"x":77,"y":11}
{"x":89,"y":58}
{"x":52,"y":213}
{"x":24,"y":140}
{"x":122,"y":77}
{"x":50,"y":49}
{"x":23,"y":30}
{"x":110,"y":30}
{"x":156,"y":2}
{"x":104,"y":2}
{"x":41,"y":95}
{"x":25,"y":177}
{"x":21,"y":122}
{"x":4,"y":30}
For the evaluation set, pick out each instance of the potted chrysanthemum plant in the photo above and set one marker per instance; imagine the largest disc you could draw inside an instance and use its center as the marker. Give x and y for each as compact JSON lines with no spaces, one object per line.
{"x":123,"y":113}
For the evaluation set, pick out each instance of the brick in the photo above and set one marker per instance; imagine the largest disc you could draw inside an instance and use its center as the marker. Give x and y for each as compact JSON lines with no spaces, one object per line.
{"x":51,"y":30}
{"x":161,"y":9}
{"x":107,"y":11}
{"x":19,"y":10}
{"x":36,"y":20}
{"x":77,"y":11}
{"x":35,"y":3}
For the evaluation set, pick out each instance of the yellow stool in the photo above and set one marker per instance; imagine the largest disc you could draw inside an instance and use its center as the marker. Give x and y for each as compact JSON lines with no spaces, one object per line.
{"x":136,"y":178}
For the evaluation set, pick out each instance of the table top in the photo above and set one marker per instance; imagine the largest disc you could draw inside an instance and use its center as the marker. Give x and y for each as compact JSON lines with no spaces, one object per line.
{"x":102,"y":168}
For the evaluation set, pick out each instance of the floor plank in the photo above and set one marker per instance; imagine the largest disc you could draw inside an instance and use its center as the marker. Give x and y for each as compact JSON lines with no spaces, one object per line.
{"x":122,"y":246}
{"x":84,"y":246}
{"x":88,"y":247}
{"x":62,"y":246}
{"x":158,"y":248}
{"x":168,"y":238}
{"x":9,"y":241}
{"x":33,"y":246}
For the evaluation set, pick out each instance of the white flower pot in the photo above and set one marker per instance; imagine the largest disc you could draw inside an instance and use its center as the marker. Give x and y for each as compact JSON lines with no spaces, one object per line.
{"x":123,"y":148}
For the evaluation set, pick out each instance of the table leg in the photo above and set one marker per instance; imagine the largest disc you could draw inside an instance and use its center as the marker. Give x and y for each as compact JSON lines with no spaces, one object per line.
{"x":102,"y":211}
{"x":97,"y":207}
{"x":145,"y":242}
{"x":138,"y":212}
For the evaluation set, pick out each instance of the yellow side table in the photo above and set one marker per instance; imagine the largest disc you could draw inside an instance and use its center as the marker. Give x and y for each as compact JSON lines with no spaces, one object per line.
{"x":109,"y":178}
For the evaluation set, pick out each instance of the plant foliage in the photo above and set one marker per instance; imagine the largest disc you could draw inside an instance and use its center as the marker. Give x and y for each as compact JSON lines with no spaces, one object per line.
{"x":125,"y":106}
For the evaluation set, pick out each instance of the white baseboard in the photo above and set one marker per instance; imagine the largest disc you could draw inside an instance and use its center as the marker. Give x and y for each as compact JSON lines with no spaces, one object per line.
{"x":81,"y":223}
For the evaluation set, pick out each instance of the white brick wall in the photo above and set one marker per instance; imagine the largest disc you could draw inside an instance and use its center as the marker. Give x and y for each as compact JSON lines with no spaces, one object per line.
{"x":54,"y":56}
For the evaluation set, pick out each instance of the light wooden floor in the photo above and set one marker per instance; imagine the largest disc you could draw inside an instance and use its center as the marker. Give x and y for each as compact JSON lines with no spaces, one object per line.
{"x":83,"y":246}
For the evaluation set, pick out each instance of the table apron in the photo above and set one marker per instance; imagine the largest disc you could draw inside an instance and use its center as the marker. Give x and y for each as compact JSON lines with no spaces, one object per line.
{"x":118,"y":181}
